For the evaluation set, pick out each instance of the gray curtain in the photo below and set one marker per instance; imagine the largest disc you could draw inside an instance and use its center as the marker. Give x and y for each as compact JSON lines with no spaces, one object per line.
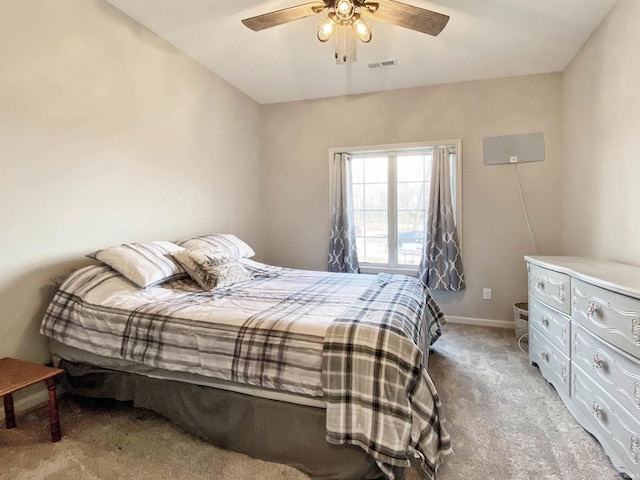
{"x":343,"y":256}
{"x":441,"y":263}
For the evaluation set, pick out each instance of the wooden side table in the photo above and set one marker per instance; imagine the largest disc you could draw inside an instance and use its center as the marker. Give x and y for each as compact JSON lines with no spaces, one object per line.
{"x":16,"y":375}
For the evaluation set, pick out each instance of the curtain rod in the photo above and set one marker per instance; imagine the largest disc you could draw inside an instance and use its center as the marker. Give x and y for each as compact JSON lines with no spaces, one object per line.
{"x":374,"y":153}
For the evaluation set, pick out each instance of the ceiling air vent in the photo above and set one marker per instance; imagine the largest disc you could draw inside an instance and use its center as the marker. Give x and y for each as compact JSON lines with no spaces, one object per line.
{"x":386,"y":64}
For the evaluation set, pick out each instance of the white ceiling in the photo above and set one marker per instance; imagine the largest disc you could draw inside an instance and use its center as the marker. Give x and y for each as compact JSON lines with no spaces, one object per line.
{"x":483,"y":39}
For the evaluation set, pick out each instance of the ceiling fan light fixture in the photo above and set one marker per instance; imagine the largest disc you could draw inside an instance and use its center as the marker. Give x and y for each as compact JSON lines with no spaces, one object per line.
{"x":326,"y":29}
{"x":361,"y":29}
{"x":349,"y":27}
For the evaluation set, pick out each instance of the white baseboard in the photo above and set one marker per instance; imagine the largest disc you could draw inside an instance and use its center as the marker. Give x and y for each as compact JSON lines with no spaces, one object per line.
{"x":482,"y":322}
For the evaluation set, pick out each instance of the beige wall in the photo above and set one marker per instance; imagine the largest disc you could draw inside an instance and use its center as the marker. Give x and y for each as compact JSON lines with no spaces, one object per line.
{"x":296,"y":137}
{"x":107,"y":135}
{"x":602,"y":141}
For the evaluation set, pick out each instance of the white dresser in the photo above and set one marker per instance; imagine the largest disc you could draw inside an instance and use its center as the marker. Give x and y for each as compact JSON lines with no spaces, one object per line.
{"x":584,"y":335}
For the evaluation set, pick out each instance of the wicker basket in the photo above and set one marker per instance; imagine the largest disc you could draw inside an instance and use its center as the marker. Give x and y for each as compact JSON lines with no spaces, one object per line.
{"x":521,"y":320}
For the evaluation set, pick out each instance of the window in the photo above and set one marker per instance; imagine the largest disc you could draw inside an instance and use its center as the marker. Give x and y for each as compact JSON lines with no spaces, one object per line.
{"x":390,"y":188}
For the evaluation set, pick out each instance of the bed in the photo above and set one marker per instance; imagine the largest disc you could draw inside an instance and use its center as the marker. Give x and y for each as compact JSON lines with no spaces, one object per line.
{"x":323,"y":371}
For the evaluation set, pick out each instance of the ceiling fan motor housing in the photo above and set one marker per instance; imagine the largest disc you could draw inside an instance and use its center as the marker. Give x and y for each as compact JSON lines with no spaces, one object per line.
{"x":344,"y":10}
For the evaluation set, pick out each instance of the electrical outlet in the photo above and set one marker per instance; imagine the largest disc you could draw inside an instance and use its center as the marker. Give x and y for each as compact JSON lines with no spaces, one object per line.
{"x":486,"y":293}
{"x":513,"y":159}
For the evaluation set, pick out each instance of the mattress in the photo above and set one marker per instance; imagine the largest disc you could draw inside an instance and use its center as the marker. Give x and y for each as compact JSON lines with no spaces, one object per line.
{"x":60,"y":351}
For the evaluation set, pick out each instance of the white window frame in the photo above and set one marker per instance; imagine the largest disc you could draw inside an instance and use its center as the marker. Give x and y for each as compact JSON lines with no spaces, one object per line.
{"x":395,"y":149}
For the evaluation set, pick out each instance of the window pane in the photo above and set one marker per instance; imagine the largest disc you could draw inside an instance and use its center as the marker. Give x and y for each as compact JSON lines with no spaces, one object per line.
{"x":411,"y":221}
{"x":377,"y":250}
{"x":375,"y":196}
{"x":362,"y":251}
{"x":358,"y":219}
{"x":357,"y":170}
{"x":410,"y":236}
{"x":375,"y":170}
{"x":409,"y":255}
{"x":413,"y":191}
{"x":358,"y":196}
{"x":411,"y":167}
{"x":376,"y":224}
{"x":412,"y":196}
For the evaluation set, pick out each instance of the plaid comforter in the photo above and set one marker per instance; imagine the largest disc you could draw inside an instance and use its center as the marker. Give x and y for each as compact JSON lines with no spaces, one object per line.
{"x":337,"y":336}
{"x":377,"y":391}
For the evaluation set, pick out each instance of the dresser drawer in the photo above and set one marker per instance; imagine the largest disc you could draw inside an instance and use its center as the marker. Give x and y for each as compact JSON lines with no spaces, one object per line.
{"x":615,"y":372}
{"x":550,"y":287}
{"x":613,"y":317}
{"x":553,"y":324}
{"x":616,"y":429}
{"x":553,"y":364}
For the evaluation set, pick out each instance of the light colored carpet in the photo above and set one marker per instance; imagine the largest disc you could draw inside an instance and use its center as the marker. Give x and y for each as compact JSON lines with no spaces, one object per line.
{"x":505,"y":421}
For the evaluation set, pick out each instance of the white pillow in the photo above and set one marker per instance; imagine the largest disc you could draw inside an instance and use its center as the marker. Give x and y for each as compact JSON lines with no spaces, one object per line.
{"x":211,"y":269}
{"x":232,"y":245}
{"x":146,"y":263}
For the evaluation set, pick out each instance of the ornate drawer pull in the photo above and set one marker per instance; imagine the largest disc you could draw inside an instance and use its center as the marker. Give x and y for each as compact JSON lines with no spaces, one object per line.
{"x":635,"y":448}
{"x":597,"y":409}
{"x":544,"y":321}
{"x":635,"y":329}
{"x":597,"y":361}
{"x":544,"y":355}
{"x":591,"y":309}
{"x":540,"y":285}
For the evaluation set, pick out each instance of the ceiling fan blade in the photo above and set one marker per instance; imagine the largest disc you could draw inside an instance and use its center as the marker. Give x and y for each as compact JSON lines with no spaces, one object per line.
{"x":285,"y":15}
{"x":408,"y":16}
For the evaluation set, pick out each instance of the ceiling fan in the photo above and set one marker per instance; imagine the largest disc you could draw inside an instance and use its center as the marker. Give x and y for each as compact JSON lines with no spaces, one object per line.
{"x":345,"y":21}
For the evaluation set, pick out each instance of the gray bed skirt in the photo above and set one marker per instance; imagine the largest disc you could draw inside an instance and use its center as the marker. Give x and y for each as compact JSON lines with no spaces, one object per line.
{"x":267,"y":429}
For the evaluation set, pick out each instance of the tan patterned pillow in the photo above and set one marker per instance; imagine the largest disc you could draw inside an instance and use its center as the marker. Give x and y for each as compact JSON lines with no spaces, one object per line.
{"x":211,"y":268}
{"x":232,"y":245}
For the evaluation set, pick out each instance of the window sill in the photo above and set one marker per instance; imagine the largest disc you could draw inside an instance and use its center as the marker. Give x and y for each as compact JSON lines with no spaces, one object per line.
{"x":372,"y":270}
